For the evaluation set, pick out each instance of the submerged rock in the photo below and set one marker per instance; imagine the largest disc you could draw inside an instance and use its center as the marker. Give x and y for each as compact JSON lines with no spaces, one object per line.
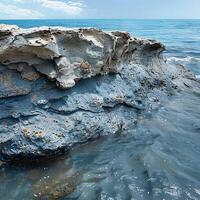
{"x":60,"y":86}
{"x":52,"y":191}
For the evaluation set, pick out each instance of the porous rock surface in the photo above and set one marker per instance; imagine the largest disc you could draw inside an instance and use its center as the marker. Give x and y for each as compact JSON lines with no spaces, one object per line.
{"x":61,"y":86}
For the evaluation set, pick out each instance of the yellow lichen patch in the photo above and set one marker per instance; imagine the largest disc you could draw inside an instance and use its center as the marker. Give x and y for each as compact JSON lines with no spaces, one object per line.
{"x":30,"y":75}
{"x":26,"y":131}
{"x":27,"y":72}
{"x":85,"y":67}
{"x":38,"y":134}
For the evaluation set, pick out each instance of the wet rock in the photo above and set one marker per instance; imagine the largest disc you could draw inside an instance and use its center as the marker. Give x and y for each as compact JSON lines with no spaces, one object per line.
{"x":53,"y":192}
{"x":56,"y":187}
{"x":60,"y":86}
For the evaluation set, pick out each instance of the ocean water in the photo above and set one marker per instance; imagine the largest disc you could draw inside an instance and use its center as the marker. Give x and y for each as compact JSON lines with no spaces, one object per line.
{"x":159,"y":160}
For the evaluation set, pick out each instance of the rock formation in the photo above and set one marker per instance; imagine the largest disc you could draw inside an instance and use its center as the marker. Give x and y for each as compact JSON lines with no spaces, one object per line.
{"x":61,"y":86}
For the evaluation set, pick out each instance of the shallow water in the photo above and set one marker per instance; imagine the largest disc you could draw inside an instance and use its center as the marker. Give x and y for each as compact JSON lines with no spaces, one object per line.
{"x":159,"y":159}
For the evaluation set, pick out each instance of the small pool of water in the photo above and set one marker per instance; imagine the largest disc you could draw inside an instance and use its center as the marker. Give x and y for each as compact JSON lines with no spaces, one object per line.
{"x":158,"y":160}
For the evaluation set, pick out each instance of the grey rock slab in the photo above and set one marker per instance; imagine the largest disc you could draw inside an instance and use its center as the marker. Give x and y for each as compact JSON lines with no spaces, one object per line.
{"x":60,"y":86}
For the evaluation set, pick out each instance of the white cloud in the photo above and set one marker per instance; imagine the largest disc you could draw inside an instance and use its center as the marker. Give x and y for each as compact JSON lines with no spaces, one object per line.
{"x":70,"y":7}
{"x":9,"y":11}
{"x":19,"y":1}
{"x":33,"y":9}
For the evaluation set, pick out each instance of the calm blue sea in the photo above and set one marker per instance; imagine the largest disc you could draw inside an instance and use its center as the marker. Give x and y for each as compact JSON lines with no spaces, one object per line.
{"x":181,"y":37}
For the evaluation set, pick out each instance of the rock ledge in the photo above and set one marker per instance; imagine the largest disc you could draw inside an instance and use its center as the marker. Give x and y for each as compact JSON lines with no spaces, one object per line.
{"x":61,"y":86}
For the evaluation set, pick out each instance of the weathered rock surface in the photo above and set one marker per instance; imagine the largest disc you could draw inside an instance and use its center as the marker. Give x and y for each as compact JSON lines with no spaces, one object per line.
{"x":60,"y":86}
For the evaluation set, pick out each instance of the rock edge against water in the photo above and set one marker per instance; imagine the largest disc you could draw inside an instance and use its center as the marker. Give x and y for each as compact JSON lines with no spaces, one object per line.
{"x":60,"y":86}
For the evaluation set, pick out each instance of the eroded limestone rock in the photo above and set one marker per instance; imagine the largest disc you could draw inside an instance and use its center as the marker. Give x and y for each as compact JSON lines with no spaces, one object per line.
{"x":61,"y":86}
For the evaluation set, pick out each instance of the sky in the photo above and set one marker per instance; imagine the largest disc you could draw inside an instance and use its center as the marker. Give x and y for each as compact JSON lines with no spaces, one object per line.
{"x":100,"y":9}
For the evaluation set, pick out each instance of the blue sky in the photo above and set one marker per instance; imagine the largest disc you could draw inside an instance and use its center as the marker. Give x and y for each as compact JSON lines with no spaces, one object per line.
{"x":137,"y":9}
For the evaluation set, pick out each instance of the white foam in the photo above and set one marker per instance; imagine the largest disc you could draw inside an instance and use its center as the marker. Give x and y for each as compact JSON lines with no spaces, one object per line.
{"x":183,"y":59}
{"x":198,"y":77}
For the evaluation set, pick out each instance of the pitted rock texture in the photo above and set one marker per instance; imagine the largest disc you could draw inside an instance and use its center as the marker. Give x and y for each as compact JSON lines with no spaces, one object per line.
{"x":60,"y":86}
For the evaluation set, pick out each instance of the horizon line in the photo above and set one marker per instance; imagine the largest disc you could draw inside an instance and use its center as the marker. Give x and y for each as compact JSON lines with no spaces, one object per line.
{"x":104,"y":19}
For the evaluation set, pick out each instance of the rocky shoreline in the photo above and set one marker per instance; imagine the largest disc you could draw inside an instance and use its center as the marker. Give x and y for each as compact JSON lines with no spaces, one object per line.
{"x":60,"y":86}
